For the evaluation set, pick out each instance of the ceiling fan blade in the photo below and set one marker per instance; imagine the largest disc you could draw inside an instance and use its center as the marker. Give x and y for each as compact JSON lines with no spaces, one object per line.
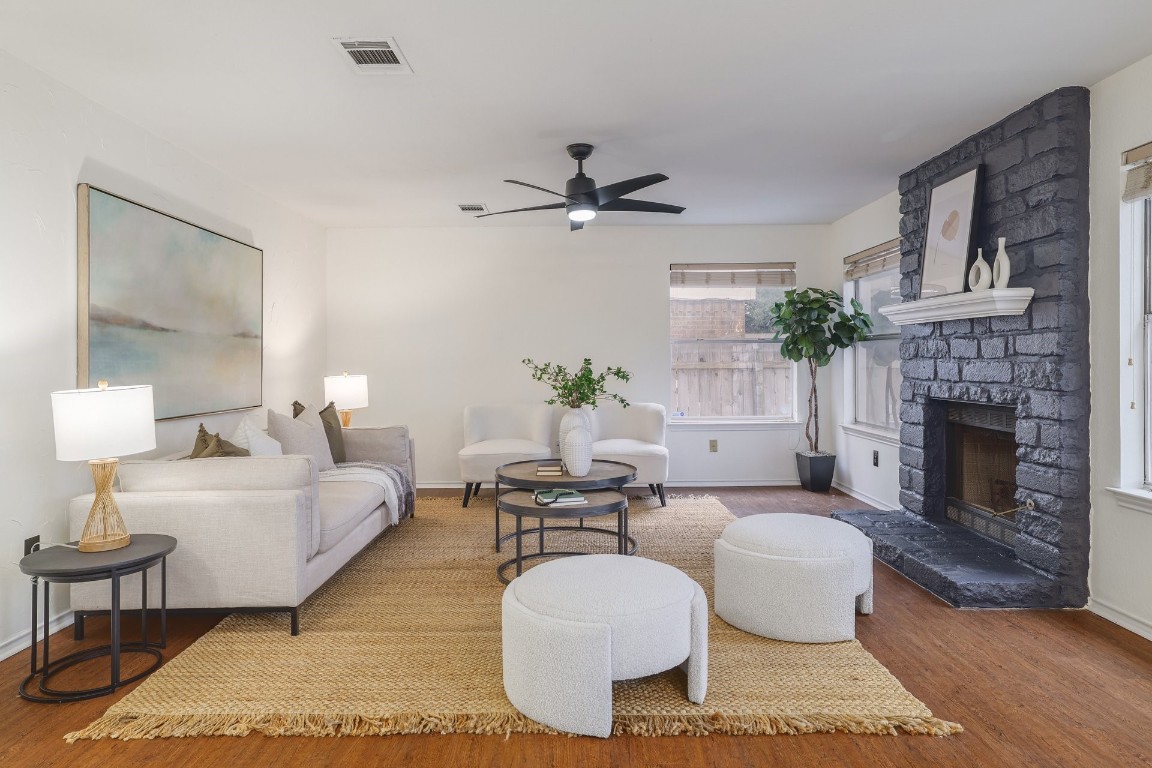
{"x":575,"y":225}
{"x":623,"y":204}
{"x":610,"y":192}
{"x":518,"y":210}
{"x":533,"y":186}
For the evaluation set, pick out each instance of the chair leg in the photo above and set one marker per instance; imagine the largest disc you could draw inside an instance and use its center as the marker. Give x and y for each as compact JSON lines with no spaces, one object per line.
{"x":660,"y":492}
{"x":476,"y":492}
{"x":467,"y":493}
{"x":652,"y":487}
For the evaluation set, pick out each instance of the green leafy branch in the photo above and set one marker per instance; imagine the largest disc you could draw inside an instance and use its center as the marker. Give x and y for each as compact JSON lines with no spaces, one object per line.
{"x":580,"y":388}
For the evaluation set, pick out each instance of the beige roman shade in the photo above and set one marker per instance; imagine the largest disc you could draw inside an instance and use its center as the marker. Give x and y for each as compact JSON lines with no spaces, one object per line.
{"x":1138,"y":179}
{"x":767,"y":274}
{"x":878,"y":258}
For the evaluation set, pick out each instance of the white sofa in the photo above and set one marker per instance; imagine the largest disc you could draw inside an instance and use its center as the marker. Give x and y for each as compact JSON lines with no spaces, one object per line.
{"x":258,"y":533}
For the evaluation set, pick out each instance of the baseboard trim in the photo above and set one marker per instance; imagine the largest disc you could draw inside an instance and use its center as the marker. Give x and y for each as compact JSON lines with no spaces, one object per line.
{"x":23,"y":640}
{"x":1121,"y":617}
{"x":864,"y":497}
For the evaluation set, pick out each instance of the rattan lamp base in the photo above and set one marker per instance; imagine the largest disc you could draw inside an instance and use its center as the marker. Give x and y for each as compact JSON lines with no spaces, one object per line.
{"x":104,"y":530}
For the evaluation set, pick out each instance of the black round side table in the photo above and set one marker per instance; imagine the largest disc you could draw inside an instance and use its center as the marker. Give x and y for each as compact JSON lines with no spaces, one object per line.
{"x":66,"y":565}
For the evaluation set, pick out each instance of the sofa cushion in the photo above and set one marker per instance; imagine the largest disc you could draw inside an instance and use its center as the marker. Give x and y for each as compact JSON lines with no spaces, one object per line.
{"x":343,"y":506}
{"x":256,"y":441}
{"x":302,"y":436}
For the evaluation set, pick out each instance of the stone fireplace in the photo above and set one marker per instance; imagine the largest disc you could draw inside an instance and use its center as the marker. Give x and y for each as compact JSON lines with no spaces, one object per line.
{"x":994,"y":412}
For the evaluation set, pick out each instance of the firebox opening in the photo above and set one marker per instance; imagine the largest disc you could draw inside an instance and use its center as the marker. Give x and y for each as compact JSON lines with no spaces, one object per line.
{"x":981,"y":462}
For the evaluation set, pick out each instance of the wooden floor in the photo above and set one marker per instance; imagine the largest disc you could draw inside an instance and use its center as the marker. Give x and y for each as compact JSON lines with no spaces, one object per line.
{"x":1032,"y":688}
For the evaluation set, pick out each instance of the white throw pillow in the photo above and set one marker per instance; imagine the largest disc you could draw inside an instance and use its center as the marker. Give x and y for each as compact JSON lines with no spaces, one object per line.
{"x":258,"y":443}
{"x":302,"y":435}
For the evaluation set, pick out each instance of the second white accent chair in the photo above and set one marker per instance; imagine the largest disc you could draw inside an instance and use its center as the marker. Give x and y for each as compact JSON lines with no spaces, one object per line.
{"x":500,"y":434}
{"x":633,"y":435}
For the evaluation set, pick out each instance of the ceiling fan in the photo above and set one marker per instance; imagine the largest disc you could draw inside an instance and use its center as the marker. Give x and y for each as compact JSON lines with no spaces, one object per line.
{"x":583,"y":199}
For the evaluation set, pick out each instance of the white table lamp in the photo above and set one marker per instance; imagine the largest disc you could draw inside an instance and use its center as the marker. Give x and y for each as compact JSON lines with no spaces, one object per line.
{"x":348,"y":392}
{"x":93,"y":424}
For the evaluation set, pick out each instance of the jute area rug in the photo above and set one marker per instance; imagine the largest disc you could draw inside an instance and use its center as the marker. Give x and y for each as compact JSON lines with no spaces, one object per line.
{"x":407,"y":640}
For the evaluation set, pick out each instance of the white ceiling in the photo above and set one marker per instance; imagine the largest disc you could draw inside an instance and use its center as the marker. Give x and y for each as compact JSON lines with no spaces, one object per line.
{"x":760,"y":111}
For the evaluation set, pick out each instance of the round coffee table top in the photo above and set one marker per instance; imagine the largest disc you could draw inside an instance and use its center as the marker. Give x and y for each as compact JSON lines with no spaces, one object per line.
{"x":60,"y":561}
{"x":523,"y":504}
{"x":604,"y":474}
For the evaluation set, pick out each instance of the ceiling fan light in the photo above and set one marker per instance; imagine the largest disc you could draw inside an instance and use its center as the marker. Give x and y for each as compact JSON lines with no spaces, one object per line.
{"x":582,"y":212}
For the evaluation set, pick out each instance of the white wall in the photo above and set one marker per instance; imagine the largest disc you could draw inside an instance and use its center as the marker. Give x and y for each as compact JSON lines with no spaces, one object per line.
{"x":440,"y":318}
{"x":876,"y":223}
{"x":1120,"y":578}
{"x":51,"y":139}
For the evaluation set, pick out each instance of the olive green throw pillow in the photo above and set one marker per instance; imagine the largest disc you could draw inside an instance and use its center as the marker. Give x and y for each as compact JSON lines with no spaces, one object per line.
{"x":332,"y":429}
{"x":208,"y":445}
{"x":218,"y":446}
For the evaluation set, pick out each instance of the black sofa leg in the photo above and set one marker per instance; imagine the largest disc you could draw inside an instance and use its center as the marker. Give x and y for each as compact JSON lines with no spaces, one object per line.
{"x":467,"y":493}
{"x":660,"y":491}
{"x":77,"y":624}
{"x":295,"y":621}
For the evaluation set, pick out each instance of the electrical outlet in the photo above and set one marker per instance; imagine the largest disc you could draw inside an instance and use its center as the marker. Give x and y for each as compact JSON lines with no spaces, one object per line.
{"x":713,"y":446}
{"x":875,"y":458}
{"x":30,"y":545}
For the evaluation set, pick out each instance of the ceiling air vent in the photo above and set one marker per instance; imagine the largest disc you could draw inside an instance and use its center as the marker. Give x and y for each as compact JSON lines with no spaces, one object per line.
{"x":380,"y":56}
{"x":473,"y":208}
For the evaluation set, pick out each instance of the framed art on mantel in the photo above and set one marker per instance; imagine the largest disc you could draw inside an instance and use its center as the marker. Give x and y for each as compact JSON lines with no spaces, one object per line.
{"x":948,"y":240}
{"x":167,"y":303}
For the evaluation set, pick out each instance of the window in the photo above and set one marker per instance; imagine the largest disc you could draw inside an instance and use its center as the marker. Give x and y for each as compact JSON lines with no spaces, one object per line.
{"x":1136,"y":245}
{"x":725,"y":363}
{"x":874,"y":279}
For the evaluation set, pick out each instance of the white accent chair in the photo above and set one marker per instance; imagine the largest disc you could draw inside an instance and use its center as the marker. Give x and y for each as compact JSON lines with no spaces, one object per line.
{"x":633,"y":435}
{"x":572,"y":626}
{"x":500,"y":434}
{"x":793,"y":577}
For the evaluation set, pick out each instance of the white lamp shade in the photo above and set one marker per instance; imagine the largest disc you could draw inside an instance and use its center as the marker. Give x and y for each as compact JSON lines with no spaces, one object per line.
{"x":103,"y":423}
{"x":348,"y":391}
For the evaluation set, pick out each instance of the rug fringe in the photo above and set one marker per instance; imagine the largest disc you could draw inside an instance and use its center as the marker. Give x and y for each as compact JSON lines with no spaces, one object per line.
{"x":128,"y":727}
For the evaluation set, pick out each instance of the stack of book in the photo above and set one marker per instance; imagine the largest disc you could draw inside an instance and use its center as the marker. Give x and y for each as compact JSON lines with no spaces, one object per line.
{"x":549,"y":467}
{"x":559,"y":497}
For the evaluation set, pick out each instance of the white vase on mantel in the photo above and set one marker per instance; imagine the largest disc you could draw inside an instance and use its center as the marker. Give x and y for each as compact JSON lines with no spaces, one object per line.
{"x":980,"y":276}
{"x":576,"y":449}
{"x":1001,"y":267}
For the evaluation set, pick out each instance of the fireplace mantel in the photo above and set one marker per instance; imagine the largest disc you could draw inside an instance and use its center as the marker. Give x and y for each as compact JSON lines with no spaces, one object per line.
{"x":958,"y":306}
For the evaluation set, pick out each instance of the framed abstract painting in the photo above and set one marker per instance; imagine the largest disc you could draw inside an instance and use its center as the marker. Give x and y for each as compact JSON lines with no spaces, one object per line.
{"x":948,"y":240}
{"x":167,"y":303}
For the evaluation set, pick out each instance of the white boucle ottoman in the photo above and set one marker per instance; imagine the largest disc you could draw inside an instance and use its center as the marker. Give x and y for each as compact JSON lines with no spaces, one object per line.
{"x":793,"y":577}
{"x":572,"y":626}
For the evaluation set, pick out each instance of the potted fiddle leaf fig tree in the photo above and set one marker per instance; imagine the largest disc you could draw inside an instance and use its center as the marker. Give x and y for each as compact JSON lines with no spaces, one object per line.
{"x":813,"y":324}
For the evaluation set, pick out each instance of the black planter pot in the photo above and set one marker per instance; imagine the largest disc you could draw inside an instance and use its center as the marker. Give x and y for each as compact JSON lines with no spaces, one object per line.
{"x":816,"y":471}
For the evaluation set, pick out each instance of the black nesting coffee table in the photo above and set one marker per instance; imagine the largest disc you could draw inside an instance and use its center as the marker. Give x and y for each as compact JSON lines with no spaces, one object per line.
{"x":522,"y":504}
{"x":522,"y":474}
{"x":61,"y":564}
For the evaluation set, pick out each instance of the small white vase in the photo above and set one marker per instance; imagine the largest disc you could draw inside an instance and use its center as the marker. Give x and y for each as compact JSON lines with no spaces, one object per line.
{"x":980,"y":276}
{"x":1001,"y":267}
{"x":576,"y":451}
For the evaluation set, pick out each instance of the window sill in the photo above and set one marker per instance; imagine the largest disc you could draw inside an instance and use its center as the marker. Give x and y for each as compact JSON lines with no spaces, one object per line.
{"x":705,"y":425}
{"x":1134,"y":499}
{"x":872,"y":433}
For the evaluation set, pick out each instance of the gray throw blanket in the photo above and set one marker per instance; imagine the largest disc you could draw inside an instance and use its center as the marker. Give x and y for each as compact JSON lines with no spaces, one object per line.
{"x":356,"y":470}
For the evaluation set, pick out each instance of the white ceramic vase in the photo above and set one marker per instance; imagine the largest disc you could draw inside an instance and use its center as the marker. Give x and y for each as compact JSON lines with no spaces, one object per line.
{"x":1001,"y":267}
{"x":980,"y":276}
{"x":576,"y":451}
{"x":576,"y":418}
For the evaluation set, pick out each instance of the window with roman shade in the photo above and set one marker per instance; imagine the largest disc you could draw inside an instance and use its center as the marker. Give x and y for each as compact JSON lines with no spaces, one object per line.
{"x":873,"y":276}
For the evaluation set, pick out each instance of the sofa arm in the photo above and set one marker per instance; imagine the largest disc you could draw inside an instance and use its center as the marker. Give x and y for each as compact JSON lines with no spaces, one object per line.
{"x":234,"y":549}
{"x":391,"y":445}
